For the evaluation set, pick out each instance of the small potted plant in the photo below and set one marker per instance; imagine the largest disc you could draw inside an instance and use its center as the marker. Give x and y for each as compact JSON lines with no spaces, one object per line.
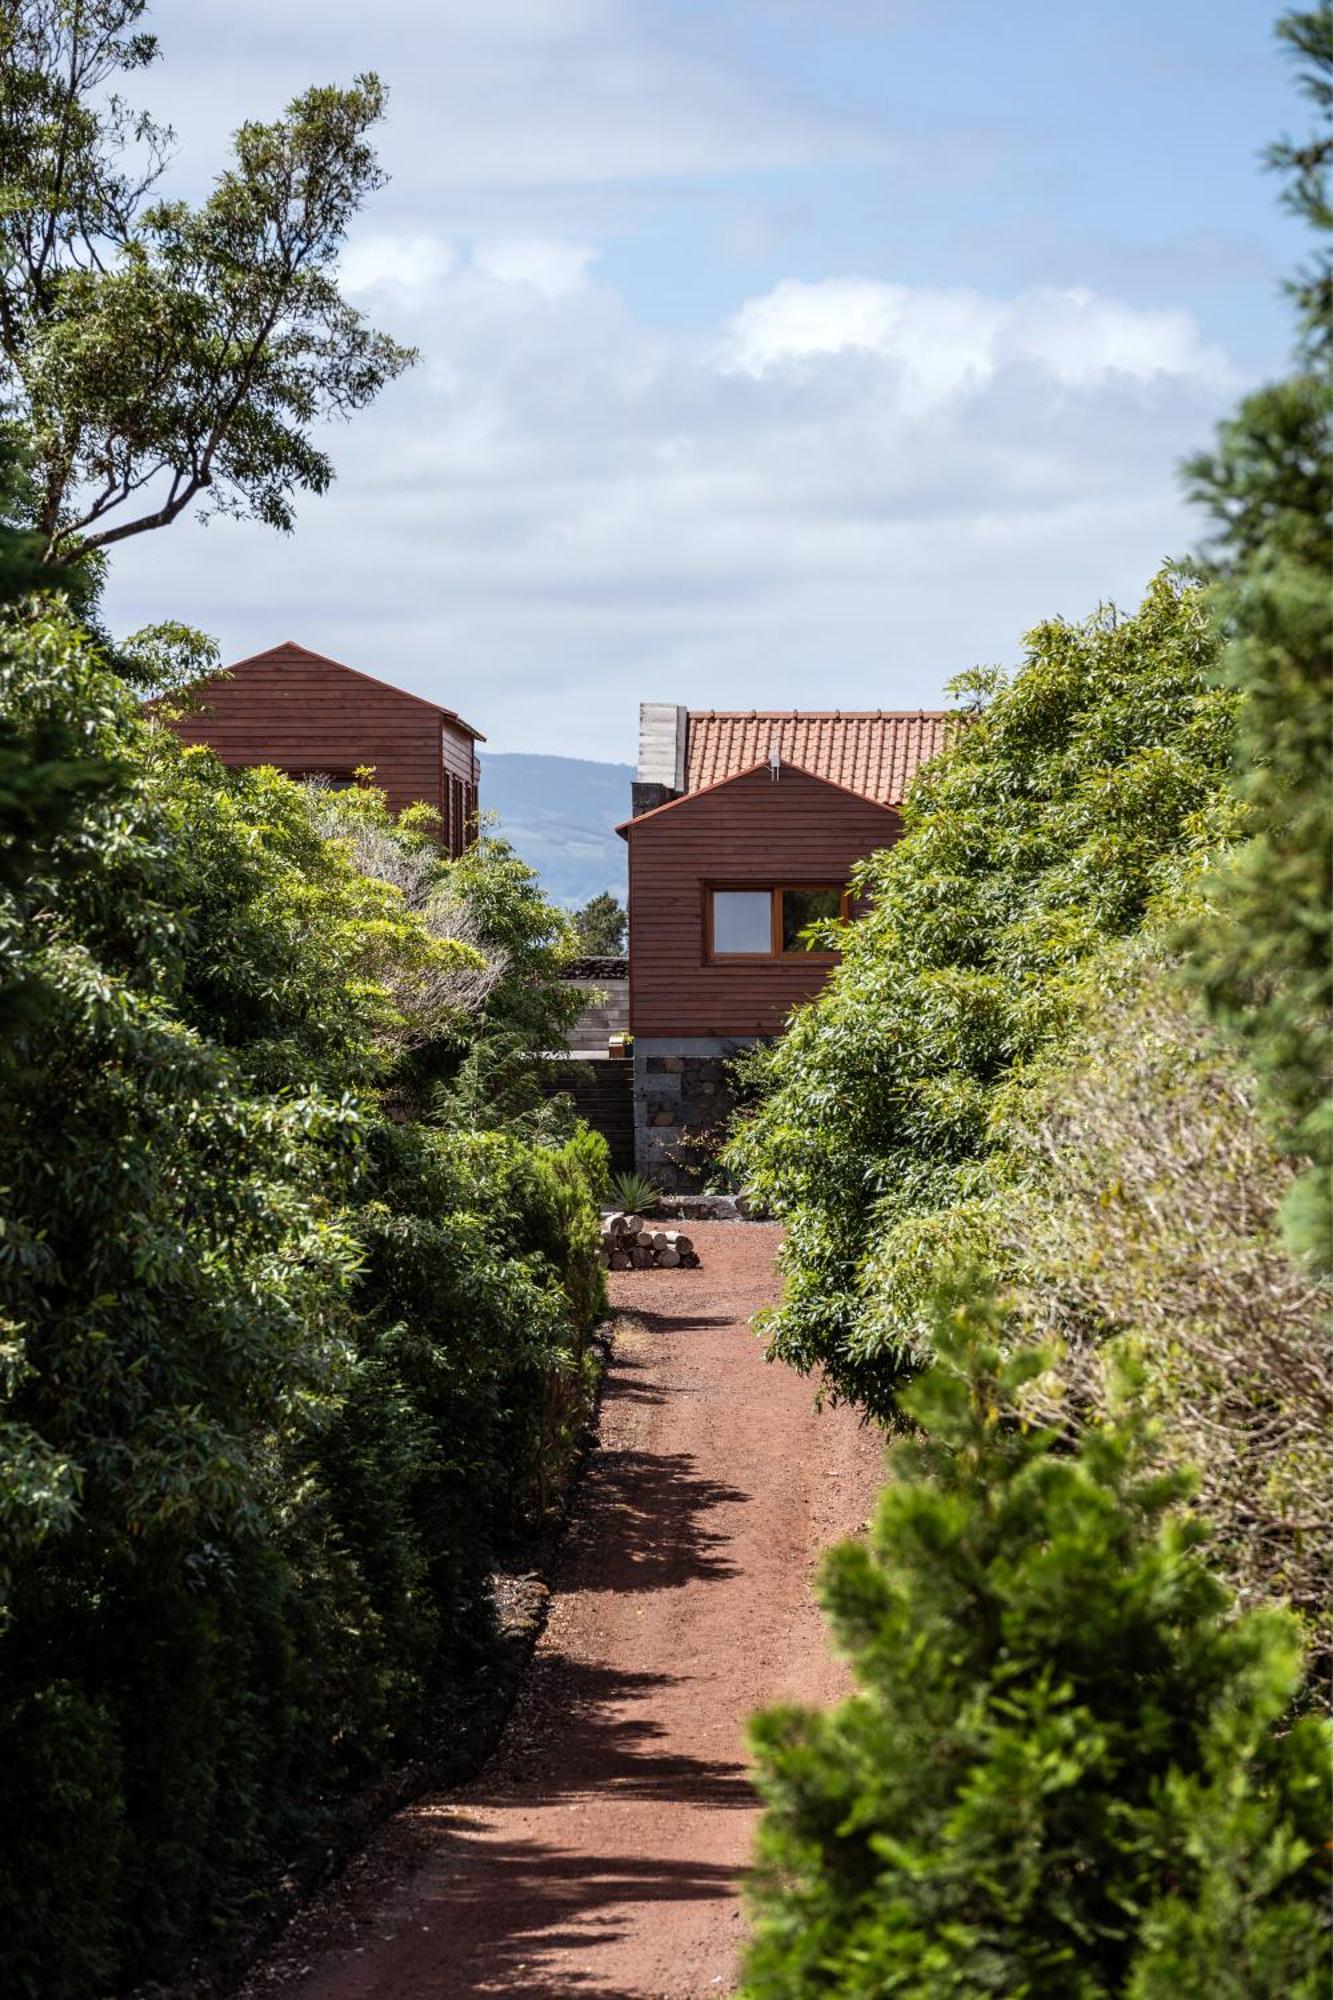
{"x":620,"y":1046}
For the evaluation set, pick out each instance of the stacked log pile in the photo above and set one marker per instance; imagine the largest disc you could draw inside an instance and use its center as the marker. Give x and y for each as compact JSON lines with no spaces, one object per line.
{"x":631,"y":1244}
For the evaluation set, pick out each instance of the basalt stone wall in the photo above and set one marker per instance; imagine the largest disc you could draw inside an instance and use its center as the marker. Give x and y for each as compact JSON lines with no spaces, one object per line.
{"x":682,"y":1100}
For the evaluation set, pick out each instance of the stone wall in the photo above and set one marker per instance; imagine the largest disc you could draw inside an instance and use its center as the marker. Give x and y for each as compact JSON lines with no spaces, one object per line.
{"x":681,"y":1091}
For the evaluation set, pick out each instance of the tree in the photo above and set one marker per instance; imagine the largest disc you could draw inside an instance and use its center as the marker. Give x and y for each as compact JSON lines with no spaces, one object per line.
{"x":601,"y":926}
{"x":1064,"y":1775}
{"x":1307,"y":35}
{"x":1265,"y":959}
{"x":1075,"y":800}
{"x":155,"y":352}
{"x":274,"y":1374}
{"x":498,"y":1000}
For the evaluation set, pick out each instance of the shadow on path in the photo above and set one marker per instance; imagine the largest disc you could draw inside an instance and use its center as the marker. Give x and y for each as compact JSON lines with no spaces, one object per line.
{"x":556,"y":1902}
{"x":644,"y":1524}
{"x":587,"y":1738}
{"x":578,"y":1737}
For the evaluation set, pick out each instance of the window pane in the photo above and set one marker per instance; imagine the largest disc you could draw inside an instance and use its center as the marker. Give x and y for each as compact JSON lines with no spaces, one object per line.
{"x":806,"y":906}
{"x":742,"y":920}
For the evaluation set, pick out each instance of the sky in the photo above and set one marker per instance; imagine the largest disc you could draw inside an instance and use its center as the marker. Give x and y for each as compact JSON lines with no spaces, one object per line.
{"x":774,"y":353}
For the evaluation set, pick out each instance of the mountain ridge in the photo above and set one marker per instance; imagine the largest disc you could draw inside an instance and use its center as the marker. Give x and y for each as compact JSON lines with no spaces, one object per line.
{"x":560,"y":815}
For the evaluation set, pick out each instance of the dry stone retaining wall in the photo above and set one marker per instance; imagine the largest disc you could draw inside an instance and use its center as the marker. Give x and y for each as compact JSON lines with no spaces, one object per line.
{"x":678,"y":1095}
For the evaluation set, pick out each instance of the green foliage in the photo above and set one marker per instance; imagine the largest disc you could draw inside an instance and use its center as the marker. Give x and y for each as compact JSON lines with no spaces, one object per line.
{"x":1307,"y":36}
{"x":151,"y":344}
{"x":1136,"y":1211}
{"x":634,"y":1194}
{"x":1063,"y":1773}
{"x":1264,"y":958}
{"x":533,"y":940}
{"x":588,"y":1154}
{"x":496,"y":1002}
{"x":1069,"y":810}
{"x":600,"y":925}
{"x":276,"y":1377}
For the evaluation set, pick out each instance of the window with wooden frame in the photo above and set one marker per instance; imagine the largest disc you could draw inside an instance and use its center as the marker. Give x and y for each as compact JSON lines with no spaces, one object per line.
{"x":747,"y":923}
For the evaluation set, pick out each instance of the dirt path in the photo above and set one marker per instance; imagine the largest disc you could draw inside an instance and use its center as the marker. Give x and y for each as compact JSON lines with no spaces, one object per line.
{"x":598,"y":1854}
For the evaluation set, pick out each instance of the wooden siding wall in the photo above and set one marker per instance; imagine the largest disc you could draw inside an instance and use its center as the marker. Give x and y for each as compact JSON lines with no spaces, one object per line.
{"x":304,"y":714}
{"x":751,"y":830}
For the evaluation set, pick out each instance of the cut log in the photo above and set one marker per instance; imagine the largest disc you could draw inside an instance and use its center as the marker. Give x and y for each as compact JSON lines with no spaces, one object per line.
{"x":689,"y":1259}
{"x":644,"y":1239}
{"x":641,"y":1258}
{"x":681,"y":1243}
{"x":667,"y":1259}
{"x":619,"y":1260}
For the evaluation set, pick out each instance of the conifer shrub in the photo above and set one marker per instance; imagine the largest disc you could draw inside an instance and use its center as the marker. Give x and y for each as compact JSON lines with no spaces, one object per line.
{"x":1065,"y":1770}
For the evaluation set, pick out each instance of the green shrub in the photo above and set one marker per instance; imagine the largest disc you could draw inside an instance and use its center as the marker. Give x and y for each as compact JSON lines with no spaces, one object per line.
{"x":635,"y":1195}
{"x":587,"y":1154}
{"x":276,"y":1377}
{"x":1263,"y":958}
{"x":1064,"y":1772}
{"x":1066,"y":814}
{"x":1137,"y":1204}
{"x":60,"y":1754}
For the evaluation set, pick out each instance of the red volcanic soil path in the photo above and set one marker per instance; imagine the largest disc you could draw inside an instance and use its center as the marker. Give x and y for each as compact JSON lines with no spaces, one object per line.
{"x":599,"y":1852}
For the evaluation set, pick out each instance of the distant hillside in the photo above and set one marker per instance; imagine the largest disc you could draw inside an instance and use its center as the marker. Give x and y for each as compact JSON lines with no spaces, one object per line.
{"x":560,"y":814}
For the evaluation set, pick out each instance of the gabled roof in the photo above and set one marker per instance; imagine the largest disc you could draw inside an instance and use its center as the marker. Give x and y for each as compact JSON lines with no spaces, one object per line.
{"x":678,"y":804}
{"x":875,"y":752}
{"x":274,"y":655}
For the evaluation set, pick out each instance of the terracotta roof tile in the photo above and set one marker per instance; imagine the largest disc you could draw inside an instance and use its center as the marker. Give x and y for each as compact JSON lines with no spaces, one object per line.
{"x":874,"y":752}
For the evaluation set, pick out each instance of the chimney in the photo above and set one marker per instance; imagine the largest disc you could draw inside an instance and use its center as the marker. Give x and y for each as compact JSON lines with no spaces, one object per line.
{"x":663,"y":732}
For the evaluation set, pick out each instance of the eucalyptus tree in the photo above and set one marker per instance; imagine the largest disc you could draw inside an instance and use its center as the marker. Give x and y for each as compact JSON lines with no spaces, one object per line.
{"x":158,"y":354}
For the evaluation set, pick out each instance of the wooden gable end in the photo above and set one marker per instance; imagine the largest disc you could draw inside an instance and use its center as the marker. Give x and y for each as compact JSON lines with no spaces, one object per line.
{"x":749,"y":830}
{"x":308,"y":715}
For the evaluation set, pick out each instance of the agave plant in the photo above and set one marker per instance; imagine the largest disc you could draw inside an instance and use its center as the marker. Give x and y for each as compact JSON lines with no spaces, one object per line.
{"x":633,"y":1193}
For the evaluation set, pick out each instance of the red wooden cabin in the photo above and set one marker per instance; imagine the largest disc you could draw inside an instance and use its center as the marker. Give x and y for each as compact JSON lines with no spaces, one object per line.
{"x":314,"y":717}
{"x":746,"y":831}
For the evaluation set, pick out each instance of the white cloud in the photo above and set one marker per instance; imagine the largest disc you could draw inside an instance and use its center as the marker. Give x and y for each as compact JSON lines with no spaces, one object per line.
{"x":486,"y":102}
{"x":542,"y":264}
{"x":406,"y":264}
{"x":947,"y":343}
{"x":409,"y":268}
{"x":843,"y":496}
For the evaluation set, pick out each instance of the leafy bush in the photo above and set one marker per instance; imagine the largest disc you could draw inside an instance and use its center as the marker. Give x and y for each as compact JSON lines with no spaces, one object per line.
{"x":1139,"y":1205}
{"x":477,"y":1026}
{"x":1064,"y":1772}
{"x":1264,"y":956}
{"x":276,"y":1377}
{"x":1069,"y":809}
{"x":589,"y":1155}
